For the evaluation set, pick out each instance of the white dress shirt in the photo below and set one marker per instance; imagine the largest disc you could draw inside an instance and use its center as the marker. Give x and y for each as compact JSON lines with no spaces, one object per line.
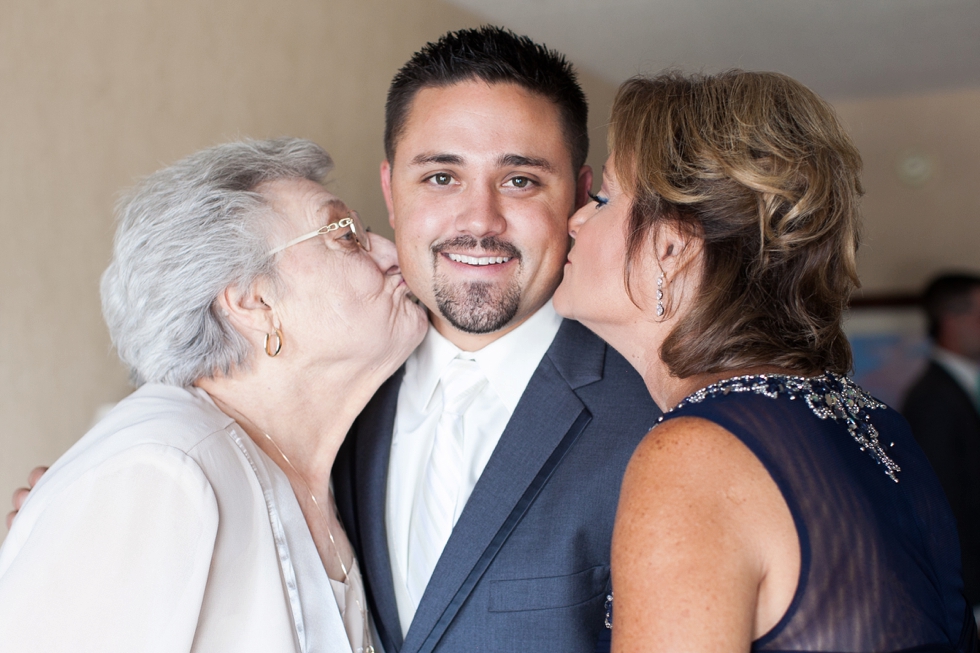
{"x":508,"y":363}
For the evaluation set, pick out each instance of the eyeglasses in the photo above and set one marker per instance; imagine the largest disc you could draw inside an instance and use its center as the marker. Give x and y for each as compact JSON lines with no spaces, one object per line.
{"x":352,"y":221}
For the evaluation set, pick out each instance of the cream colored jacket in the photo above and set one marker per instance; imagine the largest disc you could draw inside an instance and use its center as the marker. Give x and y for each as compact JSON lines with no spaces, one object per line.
{"x":165,"y":529}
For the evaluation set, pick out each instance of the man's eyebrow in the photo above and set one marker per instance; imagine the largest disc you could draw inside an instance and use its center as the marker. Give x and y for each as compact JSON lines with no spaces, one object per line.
{"x":440,"y":159}
{"x":521,"y":161}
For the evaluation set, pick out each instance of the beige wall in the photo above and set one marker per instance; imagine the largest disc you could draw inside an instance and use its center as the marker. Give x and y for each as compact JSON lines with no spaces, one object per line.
{"x":913,"y":231}
{"x":93,"y":98}
{"x":95,"y":95}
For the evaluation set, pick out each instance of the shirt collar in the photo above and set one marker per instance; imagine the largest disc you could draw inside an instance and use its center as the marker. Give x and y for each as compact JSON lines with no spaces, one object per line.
{"x":964,"y":370}
{"x":508,"y":362}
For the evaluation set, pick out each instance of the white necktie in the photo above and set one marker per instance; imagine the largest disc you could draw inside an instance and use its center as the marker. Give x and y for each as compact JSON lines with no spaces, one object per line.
{"x":435,"y":506}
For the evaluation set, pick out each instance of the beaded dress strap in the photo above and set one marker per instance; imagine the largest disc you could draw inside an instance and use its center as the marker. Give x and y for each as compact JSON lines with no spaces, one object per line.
{"x":829,"y":396}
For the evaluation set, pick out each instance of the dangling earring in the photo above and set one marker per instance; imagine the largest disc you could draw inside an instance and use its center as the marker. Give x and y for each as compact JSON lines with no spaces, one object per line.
{"x":660,"y":295}
{"x":272,"y":353}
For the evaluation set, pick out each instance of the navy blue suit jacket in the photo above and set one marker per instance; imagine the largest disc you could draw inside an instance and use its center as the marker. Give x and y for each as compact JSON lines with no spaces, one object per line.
{"x":527,"y":565}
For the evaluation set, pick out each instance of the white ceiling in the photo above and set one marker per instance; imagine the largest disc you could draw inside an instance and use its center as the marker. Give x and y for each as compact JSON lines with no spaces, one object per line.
{"x":840,"y":48}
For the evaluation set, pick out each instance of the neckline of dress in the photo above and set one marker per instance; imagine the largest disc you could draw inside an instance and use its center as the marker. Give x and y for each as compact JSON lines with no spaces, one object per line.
{"x":828,"y":395}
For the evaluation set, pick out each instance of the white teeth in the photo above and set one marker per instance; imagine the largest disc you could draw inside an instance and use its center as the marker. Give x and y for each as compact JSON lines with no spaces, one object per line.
{"x":483,"y":260}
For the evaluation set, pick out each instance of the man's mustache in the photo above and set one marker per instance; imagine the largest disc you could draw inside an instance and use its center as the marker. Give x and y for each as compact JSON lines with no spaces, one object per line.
{"x":492,"y":245}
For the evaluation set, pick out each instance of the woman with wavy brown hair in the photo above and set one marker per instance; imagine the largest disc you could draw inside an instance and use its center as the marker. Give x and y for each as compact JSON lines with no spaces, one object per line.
{"x":764,"y":511}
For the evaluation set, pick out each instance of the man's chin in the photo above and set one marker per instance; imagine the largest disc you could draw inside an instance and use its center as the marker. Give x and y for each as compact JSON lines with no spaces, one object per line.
{"x":478,"y":308}
{"x":477,"y":327}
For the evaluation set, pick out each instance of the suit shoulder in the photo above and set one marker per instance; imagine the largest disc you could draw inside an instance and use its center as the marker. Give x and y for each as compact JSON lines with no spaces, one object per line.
{"x":934,"y":386}
{"x":584,"y":358}
{"x":612,"y":390}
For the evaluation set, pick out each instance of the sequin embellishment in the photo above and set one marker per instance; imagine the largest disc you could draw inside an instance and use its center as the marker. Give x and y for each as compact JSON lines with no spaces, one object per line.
{"x":829,"y":396}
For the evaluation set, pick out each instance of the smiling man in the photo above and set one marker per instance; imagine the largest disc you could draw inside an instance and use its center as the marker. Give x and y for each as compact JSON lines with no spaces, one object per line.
{"x":480,"y":485}
{"x":479,"y":195}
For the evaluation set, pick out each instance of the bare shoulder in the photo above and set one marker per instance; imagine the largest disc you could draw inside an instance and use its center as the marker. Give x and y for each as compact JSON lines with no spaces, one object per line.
{"x":690,"y":451}
{"x":703,"y":540}
{"x":687,"y":436}
{"x":690,"y":473}
{"x":686,"y":470}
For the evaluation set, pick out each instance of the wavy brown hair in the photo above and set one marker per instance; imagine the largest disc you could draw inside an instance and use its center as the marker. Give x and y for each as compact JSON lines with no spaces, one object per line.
{"x":759,"y":168}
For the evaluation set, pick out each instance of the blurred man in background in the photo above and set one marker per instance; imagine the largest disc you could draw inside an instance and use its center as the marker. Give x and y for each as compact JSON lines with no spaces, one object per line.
{"x":943,"y":407}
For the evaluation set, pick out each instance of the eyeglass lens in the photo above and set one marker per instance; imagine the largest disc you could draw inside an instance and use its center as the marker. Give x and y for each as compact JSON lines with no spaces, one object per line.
{"x":360,"y":233}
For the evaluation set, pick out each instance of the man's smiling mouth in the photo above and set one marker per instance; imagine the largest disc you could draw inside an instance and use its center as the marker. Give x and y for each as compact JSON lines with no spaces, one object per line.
{"x":481,"y":260}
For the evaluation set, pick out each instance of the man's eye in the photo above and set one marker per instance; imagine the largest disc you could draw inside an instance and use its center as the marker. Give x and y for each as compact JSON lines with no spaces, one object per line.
{"x":442,"y":179}
{"x":520,"y":182}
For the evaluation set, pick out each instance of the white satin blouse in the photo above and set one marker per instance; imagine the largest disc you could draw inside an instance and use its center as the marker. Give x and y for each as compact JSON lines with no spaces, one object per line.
{"x":165,"y":529}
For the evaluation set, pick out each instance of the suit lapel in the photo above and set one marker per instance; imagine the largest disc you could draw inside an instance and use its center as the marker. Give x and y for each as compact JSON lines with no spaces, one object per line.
{"x":547,"y":419}
{"x":373,"y":446}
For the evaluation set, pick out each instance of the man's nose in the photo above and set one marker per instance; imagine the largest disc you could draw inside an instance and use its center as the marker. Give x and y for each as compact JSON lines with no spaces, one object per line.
{"x":481,"y":214}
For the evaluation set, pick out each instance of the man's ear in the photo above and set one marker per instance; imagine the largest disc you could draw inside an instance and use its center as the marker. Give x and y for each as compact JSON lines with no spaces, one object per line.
{"x":386,"y":191}
{"x":249,"y":310}
{"x":583,"y":186}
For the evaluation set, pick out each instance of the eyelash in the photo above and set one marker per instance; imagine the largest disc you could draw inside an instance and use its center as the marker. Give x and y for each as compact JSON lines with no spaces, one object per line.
{"x":598,"y":199}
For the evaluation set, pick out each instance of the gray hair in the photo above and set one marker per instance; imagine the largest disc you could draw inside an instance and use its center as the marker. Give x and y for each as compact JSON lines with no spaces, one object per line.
{"x":185,"y":233}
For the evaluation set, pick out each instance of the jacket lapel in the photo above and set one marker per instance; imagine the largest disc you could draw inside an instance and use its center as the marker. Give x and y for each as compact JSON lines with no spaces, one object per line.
{"x":545,"y":423}
{"x":373,"y":444}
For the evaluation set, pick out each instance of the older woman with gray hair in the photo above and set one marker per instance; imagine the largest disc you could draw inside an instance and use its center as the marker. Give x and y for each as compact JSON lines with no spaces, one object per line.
{"x":257,"y":318}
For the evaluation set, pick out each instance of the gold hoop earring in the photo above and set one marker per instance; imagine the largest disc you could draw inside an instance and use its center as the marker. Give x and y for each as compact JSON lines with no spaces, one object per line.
{"x":278,"y":348}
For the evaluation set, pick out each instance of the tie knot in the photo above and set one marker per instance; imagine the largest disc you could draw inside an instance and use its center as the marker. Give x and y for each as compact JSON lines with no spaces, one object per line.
{"x":461,"y":382}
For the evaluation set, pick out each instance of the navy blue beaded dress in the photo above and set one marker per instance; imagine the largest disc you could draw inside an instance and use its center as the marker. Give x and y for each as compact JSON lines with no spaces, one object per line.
{"x":880,"y":560}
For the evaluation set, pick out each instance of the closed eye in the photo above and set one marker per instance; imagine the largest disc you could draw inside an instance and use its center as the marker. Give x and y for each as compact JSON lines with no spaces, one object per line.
{"x":598,"y":199}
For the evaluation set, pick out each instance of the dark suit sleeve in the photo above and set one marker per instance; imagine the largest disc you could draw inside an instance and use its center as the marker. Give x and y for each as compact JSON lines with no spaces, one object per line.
{"x":947,"y":427}
{"x":938,"y":431}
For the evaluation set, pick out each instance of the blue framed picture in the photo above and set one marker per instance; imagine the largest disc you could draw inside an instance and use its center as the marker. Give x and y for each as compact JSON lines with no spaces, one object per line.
{"x":890,"y":347}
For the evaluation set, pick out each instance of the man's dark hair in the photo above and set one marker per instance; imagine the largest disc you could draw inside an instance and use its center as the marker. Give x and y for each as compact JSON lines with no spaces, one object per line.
{"x":947,"y":294}
{"x":494,"y":55}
